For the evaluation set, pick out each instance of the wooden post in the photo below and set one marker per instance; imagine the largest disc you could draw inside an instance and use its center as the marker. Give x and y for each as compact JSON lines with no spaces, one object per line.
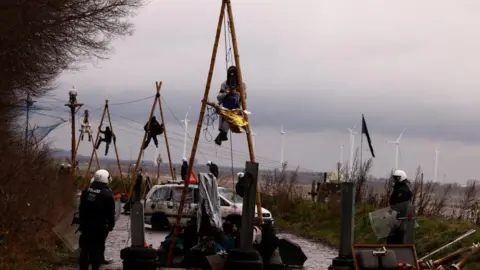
{"x":73,"y":105}
{"x":115,"y":146}
{"x":199,"y":129}
{"x":86,"y":182}
{"x":134,"y":174}
{"x":248,"y":208}
{"x":242,"y":95}
{"x":165,"y":133}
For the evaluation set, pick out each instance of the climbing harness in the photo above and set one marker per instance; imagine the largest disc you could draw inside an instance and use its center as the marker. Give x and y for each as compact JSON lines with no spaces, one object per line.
{"x":85,"y":127}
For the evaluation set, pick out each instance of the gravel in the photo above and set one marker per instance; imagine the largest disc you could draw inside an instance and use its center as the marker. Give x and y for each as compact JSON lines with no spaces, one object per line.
{"x":319,"y":256}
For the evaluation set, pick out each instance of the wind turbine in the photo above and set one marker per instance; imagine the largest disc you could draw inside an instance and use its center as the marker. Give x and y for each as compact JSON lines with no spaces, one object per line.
{"x":435,"y":168}
{"x":352,"y":147}
{"x":397,"y":148}
{"x":185,"y":121}
{"x":341,"y":156}
{"x":282,"y":146}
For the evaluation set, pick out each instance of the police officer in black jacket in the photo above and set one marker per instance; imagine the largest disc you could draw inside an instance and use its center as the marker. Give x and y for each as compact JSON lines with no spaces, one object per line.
{"x":213,"y":168}
{"x":183,"y":170}
{"x":97,"y":219}
{"x":401,"y":194}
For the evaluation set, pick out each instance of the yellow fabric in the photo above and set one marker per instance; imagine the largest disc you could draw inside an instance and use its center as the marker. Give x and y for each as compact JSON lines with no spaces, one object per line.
{"x":235,"y":118}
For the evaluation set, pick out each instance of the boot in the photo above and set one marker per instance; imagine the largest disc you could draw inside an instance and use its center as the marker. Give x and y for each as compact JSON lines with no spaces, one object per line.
{"x":218,"y":140}
{"x":224,"y":136}
{"x":89,"y":138}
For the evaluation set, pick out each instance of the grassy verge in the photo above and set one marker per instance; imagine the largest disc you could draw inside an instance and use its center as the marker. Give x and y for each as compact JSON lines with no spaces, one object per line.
{"x":321,"y":222}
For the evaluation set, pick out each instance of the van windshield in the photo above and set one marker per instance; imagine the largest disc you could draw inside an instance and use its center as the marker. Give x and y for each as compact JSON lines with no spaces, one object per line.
{"x":230,"y":195}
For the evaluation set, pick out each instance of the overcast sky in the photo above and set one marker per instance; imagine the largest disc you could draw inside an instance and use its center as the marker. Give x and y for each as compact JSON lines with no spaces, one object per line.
{"x":313,"y":66}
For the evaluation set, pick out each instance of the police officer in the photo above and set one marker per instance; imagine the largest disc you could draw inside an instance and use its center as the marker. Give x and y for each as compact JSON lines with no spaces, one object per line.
{"x":240,"y":186}
{"x":213,"y":168}
{"x":97,"y":219}
{"x":183,"y":170}
{"x":401,"y":194}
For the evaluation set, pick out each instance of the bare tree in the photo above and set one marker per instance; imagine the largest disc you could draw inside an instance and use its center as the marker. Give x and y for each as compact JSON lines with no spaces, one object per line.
{"x":439,"y":204}
{"x":468,"y":200}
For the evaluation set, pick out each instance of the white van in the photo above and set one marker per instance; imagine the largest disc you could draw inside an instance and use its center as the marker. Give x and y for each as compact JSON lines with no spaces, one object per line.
{"x":162,"y":203}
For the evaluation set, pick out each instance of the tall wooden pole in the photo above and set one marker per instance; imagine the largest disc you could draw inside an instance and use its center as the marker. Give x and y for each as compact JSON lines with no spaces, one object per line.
{"x":73,"y":105}
{"x":86,"y":181}
{"x":243,"y":98}
{"x":115,"y":146}
{"x":134,"y":174}
{"x":165,"y":132}
{"x":199,"y":128}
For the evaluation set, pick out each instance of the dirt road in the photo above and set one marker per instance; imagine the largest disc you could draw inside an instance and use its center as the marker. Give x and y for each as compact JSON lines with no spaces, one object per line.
{"x":319,"y":256}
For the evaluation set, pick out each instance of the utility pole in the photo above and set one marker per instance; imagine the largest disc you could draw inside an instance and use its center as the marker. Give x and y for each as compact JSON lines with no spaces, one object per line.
{"x":29,"y":102}
{"x":74,"y":106}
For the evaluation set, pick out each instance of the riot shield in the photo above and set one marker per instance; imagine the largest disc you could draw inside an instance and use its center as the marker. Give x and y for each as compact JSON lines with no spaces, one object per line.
{"x":67,"y":231}
{"x":385,"y":220}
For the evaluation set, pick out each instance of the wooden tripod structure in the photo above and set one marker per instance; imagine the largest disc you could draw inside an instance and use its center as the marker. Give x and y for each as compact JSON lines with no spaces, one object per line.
{"x":106,"y":111}
{"x":158,"y":86}
{"x":226,"y":4}
{"x":85,"y":120}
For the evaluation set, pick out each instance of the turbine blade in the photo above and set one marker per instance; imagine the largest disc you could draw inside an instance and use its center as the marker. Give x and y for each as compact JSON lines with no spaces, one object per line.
{"x":399,"y":137}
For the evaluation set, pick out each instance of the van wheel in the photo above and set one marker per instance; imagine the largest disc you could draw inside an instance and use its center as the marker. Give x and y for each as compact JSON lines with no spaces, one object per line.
{"x":159,"y":222}
{"x":235,"y":219}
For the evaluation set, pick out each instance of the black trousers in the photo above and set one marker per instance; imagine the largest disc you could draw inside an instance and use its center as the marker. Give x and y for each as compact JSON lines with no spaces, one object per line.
{"x":106,"y":146}
{"x":396,"y":238}
{"x":149,"y":138}
{"x":92,"y":247}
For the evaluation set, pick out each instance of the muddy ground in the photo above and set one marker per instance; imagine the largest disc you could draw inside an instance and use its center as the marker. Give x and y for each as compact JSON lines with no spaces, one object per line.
{"x":319,"y":256}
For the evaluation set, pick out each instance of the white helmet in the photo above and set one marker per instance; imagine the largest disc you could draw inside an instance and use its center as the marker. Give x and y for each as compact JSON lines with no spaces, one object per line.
{"x":184,"y":159}
{"x":240,"y":174}
{"x":209,"y":163}
{"x":399,"y":176}
{"x":102,"y":176}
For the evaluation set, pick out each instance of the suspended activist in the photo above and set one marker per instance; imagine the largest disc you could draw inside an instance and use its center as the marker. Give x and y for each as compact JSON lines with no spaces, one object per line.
{"x":96,"y":220}
{"x":401,"y":195}
{"x":183,"y":170}
{"x":229,"y":98}
{"x":155,"y":129}
{"x":86,"y":127}
{"x":107,"y":138}
{"x":213,"y":168}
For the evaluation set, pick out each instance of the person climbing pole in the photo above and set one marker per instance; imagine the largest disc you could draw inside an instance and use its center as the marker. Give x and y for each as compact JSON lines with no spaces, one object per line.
{"x":213,"y":168}
{"x":184,"y":169}
{"x":107,"y":138}
{"x":86,"y":127}
{"x":230,"y":99}
{"x":155,"y":129}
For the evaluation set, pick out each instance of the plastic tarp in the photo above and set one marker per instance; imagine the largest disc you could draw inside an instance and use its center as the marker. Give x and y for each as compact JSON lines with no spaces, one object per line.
{"x":385,"y":220}
{"x":208,"y":196}
{"x":235,"y":118}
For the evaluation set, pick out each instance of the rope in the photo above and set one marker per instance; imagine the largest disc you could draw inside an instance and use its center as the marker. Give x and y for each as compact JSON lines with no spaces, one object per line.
{"x":233,"y":172}
{"x":209,"y":121}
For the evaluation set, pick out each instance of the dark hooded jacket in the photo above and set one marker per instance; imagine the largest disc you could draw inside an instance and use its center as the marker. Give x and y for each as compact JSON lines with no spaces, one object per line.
{"x":214,"y":169}
{"x":401,"y":193}
{"x":108,"y":134}
{"x":97,"y":208}
{"x":183,"y":170}
{"x":155,"y":127}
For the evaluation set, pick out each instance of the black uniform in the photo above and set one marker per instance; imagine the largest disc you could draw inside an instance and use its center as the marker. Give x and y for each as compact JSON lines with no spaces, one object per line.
{"x":155,"y":129}
{"x":183,"y":171}
{"x":107,"y":138}
{"x":401,"y":193}
{"x":214,"y":169}
{"x":97,"y":219}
